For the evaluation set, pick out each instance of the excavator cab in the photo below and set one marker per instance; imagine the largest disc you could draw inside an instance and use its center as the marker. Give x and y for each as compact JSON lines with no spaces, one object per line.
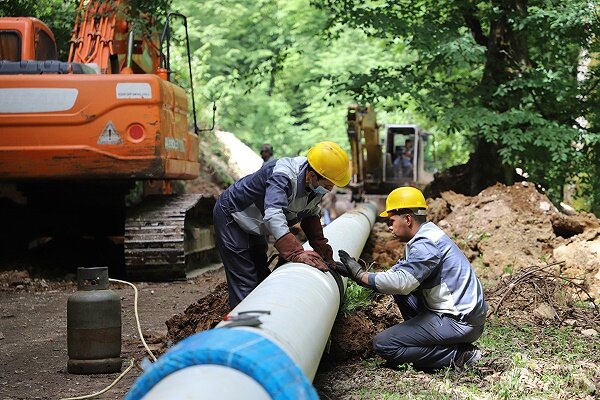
{"x":381,"y":163}
{"x":26,"y":38}
{"x":405,"y":147}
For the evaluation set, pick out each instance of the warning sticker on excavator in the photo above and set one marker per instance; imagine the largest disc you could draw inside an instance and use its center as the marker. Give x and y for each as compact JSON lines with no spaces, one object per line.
{"x":110,"y":135}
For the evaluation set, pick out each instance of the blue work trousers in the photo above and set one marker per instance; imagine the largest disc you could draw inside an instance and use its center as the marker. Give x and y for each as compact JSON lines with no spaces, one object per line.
{"x":426,"y":339}
{"x":244,"y":255}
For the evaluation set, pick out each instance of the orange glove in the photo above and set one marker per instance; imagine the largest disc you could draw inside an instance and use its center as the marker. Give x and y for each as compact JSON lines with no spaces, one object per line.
{"x":290,"y":249}
{"x":314,"y":233}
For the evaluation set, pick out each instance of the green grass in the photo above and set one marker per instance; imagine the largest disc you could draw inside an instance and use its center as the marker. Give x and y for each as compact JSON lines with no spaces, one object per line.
{"x":519,"y":362}
{"x":356,"y":296}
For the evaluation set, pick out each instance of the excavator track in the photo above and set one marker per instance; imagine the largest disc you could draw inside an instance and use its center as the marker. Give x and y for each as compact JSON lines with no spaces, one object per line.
{"x":167,"y":237}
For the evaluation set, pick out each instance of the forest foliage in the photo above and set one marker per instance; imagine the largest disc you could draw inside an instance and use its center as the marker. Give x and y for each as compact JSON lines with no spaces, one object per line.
{"x":515,"y":82}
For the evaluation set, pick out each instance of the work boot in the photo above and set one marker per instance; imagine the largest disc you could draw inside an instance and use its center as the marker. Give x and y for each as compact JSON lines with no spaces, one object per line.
{"x":466,"y":358}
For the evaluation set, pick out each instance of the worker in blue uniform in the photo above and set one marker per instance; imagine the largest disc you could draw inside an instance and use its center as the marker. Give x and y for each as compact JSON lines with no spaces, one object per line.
{"x":440,"y":297}
{"x":269,"y":201}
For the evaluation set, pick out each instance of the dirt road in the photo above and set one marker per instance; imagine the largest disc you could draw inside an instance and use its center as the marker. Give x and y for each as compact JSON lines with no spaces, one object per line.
{"x":33,"y":332}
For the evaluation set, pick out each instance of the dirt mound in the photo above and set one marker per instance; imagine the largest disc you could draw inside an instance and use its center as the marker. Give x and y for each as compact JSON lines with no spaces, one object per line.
{"x":506,"y":228}
{"x":21,"y":281}
{"x":205,"y":314}
{"x":352,"y":333}
{"x":206,"y":183}
{"x":381,"y":250}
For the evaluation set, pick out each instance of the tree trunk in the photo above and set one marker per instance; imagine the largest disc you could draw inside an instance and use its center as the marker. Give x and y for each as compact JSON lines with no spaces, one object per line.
{"x":507,"y":56}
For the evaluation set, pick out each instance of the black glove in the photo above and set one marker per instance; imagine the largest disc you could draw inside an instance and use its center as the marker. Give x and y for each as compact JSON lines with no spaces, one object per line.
{"x":350,"y":268}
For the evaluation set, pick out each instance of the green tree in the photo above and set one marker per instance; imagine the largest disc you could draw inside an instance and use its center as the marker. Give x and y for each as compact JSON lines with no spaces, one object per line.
{"x":59,"y":15}
{"x":268,"y":65}
{"x":503,"y":72}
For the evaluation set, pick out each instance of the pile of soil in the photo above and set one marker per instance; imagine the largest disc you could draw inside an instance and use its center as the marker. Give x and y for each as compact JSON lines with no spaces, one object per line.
{"x":21,"y":281}
{"x":206,"y":183}
{"x":506,"y":228}
{"x":381,"y":250}
{"x":352,"y":333}
{"x":205,"y":314}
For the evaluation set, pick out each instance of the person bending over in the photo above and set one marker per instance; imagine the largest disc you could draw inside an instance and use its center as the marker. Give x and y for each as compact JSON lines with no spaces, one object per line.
{"x":269,"y":201}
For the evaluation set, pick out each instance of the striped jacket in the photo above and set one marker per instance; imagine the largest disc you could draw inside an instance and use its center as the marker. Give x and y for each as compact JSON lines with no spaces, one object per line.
{"x":435,"y":269}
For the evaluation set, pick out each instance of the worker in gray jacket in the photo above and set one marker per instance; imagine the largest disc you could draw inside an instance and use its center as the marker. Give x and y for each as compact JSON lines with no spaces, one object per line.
{"x":269,"y":201}
{"x":435,"y":287}
{"x":266,"y":153}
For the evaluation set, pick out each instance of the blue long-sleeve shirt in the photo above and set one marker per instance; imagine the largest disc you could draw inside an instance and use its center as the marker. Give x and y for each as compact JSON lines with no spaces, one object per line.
{"x":434,"y":266}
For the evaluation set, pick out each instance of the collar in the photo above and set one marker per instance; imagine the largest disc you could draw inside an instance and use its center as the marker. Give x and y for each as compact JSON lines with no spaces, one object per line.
{"x":300,"y":184}
{"x":422,"y":229}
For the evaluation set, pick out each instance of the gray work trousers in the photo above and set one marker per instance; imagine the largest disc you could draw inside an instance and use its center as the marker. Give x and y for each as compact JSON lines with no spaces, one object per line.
{"x":244,"y":255}
{"x":426,"y":339}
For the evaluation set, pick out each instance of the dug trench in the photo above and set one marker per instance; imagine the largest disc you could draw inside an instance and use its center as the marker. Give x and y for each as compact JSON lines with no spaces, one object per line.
{"x":539,"y":267}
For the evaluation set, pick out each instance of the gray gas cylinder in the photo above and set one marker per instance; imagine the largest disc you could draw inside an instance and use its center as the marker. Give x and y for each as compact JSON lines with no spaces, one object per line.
{"x":93,"y":325}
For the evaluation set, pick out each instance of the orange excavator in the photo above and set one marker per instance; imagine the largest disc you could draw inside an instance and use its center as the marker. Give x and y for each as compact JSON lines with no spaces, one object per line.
{"x":77,"y":136}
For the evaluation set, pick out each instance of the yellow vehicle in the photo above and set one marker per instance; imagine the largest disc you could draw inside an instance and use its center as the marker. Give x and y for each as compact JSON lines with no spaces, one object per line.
{"x":381,"y":163}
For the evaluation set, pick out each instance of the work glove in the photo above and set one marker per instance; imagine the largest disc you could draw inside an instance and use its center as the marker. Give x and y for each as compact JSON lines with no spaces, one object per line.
{"x":350,"y":268}
{"x":290,"y":249}
{"x":314,"y":233}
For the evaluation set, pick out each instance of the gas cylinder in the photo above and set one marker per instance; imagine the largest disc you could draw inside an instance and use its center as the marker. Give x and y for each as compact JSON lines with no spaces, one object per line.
{"x":93,"y":325}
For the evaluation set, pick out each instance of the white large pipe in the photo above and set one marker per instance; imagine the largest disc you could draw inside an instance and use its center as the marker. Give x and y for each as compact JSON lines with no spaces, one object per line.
{"x":283,"y":353}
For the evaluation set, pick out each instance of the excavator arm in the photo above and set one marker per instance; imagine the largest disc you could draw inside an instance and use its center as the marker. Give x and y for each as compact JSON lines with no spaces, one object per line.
{"x":365,"y":148}
{"x":111,"y":35}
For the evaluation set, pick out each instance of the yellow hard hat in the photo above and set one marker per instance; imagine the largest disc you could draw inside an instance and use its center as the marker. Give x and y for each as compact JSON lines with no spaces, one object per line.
{"x":330,"y":161}
{"x":405,"y":197}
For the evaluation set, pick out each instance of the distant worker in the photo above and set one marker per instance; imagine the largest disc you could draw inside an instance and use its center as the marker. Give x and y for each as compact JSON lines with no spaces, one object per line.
{"x":435,"y":287}
{"x":266,"y":153}
{"x":269,"y":201}
{"x":398,"y":161}
{"x":407,"y":158}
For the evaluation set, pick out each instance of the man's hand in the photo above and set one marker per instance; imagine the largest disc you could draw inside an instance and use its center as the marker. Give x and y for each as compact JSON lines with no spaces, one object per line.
{"x":350,"y":268}
{"x":324,"y":250}
{"x":290,"y":249}
{"x":311,"y":258}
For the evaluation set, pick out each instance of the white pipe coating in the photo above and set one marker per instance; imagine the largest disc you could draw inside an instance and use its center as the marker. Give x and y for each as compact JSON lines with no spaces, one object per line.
{"x":303,"y":303}
{"x":207,"y":382}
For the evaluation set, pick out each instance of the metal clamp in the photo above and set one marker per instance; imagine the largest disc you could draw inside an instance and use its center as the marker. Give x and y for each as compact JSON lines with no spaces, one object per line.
{"x":245,"y":318}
